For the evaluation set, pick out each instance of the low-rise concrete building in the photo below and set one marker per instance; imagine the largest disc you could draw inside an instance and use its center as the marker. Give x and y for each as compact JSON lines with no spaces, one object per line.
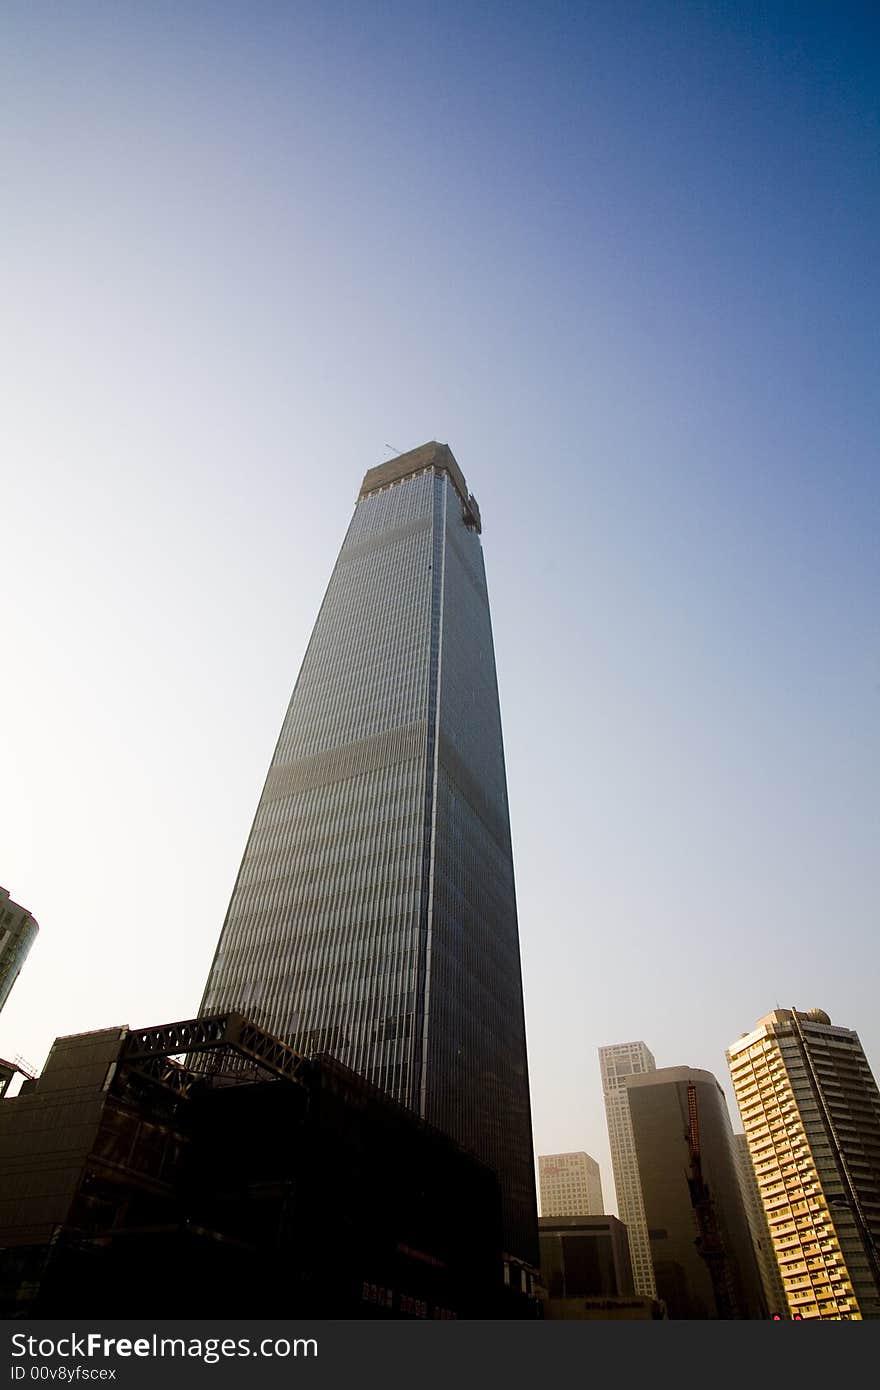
{"x":584,"y":1259}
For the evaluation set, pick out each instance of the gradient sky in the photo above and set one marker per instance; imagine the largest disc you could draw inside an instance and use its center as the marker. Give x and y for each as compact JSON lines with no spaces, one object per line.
{"x":623,"y":257}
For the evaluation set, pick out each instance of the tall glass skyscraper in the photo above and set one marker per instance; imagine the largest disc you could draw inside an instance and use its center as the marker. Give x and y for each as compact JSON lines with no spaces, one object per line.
{"x":374,"y":914}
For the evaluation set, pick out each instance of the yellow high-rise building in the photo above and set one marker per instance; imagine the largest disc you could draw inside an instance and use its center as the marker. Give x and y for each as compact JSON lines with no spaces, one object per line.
{"x":810,"y":1109}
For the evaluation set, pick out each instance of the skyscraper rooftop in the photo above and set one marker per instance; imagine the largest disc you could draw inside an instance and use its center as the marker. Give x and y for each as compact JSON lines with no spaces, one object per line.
{"x":439,"y":457}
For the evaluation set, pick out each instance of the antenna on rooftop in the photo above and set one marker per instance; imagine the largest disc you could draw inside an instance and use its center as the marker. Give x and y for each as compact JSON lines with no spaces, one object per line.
{"x":392,"y":448}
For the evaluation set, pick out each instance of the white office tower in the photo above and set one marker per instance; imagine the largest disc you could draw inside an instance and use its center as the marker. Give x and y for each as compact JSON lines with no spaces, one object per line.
{"x":571,"y":1185}
{"x":616,"y":1063}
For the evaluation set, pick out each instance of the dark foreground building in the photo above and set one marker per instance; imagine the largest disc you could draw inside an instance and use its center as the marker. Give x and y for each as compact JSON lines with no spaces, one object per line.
{"x":206,"y":1169}
{"x":374,"y":914}
{"x":585,"y":1256}
{"x":587,"y":1272}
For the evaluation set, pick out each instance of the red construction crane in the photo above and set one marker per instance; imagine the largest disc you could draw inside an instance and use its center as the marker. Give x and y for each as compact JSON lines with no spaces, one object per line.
{"x":709,"y":1241}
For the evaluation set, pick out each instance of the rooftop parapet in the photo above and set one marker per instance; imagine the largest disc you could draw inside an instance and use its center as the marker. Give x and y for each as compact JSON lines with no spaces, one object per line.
{"x":431,"y":455}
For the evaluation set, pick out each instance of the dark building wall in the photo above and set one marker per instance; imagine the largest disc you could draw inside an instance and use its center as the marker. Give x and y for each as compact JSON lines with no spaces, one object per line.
{"x":660,"y":1120}
{"x":585,"y":1257}
{"x":47,"y":1133}
{"x":313,"y":1197}
{"x":369,"y":1198}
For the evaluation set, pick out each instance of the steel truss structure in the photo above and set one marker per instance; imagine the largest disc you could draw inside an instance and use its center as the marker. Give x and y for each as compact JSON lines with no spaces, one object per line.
{"x":219,"y":1037}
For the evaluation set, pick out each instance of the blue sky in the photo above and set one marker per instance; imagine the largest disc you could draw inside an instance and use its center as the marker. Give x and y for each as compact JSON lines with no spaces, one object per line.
{"x":623,"y":258}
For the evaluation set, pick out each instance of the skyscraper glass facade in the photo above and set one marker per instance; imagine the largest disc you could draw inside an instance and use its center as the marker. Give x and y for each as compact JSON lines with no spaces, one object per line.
{"x":374,"y":914}
{"x":18,"y":932}
{"x":701,"y":1247}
